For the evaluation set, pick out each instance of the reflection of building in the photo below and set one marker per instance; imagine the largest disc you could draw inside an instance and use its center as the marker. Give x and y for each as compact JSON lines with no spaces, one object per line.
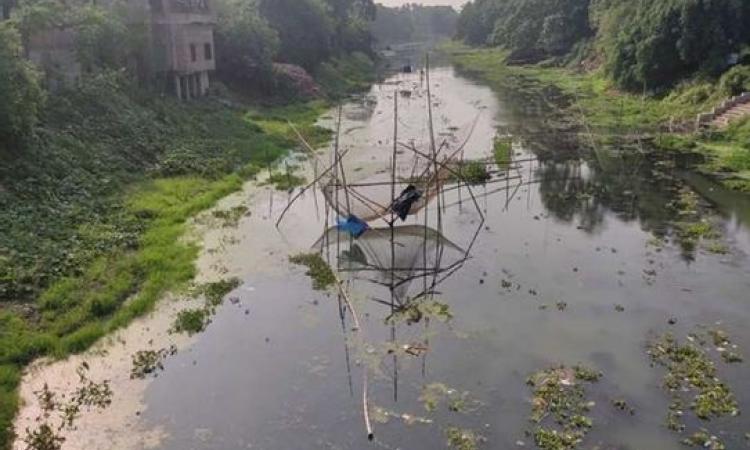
{"x":183,"y":44}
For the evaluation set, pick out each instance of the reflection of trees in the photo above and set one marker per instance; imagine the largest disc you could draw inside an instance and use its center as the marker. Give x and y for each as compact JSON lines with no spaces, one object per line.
{"x":625,"y":183}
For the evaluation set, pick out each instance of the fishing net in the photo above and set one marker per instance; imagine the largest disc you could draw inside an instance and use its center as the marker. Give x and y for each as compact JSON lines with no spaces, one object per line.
{"x":416,"y":251}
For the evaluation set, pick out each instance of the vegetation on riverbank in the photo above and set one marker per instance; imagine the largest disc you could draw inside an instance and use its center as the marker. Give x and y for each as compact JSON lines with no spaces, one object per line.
{"x":96,"y":204}
{"x":597,"y":109}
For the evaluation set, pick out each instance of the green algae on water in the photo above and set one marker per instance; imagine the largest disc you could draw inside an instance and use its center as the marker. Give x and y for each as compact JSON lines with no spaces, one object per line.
{"x":317,"y":269}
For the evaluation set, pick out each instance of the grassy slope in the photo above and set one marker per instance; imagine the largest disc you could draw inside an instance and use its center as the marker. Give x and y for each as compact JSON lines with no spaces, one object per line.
{"x":96,"y":207}
{"x":608,"y":110}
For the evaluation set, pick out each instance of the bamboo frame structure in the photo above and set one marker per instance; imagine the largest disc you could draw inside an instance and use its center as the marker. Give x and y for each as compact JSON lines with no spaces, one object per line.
{"x":438,"y":171}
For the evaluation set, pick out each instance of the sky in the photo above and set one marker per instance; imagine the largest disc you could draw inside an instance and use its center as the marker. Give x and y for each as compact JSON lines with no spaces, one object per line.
{"x":455,"y":3}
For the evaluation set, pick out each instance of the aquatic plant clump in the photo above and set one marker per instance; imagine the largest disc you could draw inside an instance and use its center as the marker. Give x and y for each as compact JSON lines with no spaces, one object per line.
{"x":691,"y":372}
{"x":474,"y":172}
{"x":435,"y":394}
{"x":502,"y":152}
{"x":317,"y":269}
{"x":215,"y":292}
{"x":463,"y":439}
{"x":414,"y":311}
{"x":195,"y":320}
{"x":150,"y":362}
{"x":559,"y":394}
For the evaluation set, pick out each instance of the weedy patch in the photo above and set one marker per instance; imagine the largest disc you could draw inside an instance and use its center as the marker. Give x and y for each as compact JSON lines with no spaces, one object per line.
{"x":317,"y":269}
{"x":230,"y":218}
{"x":690,"y":372}
{"x":58,"y":414}
{"x":150,"y":362}
{"x":462,"y":438}
{"x":559,"y":395}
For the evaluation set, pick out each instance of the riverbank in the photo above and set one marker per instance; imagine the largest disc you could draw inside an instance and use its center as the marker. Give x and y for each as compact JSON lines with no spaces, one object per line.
{"x":601,"y":111}
{"x":97,"y":205}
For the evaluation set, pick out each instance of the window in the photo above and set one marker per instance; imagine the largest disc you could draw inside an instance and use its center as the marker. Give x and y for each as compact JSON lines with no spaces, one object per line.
{"x":209,"y":52}
{"x":193,"y":53}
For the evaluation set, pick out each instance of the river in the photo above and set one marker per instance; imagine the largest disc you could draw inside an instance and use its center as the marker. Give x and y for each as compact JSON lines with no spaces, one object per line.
{"x":575,"y":264}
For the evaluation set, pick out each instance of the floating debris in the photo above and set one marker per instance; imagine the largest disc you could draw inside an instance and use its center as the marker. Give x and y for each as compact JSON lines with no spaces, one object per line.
{"x":623,"y":405}
{"x":435,"y":394}
{"x":383,"y":416}
{"x":89,"y":394}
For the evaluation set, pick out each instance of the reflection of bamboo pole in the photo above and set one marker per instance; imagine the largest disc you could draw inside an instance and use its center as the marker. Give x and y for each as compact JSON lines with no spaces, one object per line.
{"x":358,"y":329}
{"x":433,"y":148}
{"x":340,"y":163}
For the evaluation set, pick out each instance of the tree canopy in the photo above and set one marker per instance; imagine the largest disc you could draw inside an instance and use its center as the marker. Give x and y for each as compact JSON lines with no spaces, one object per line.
{"x":413,"y":22}
{"x":643,"y":43}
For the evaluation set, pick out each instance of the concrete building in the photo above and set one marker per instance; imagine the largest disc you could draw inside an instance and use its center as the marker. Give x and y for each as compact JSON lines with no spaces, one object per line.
{"x":183,"y":44}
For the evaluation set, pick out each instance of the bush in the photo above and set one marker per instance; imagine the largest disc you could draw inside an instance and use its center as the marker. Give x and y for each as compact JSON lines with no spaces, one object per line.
{"x":735,"y":81}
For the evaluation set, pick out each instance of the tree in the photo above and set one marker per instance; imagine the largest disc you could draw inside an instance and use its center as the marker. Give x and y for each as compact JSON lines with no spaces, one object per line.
{"x":21,"y":96}
{"x":304,"y":29}
{"x":245,"y":44}
{"x":350,"y":20}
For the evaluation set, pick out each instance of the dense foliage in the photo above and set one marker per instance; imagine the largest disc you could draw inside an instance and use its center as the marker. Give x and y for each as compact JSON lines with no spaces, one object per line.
{"x":20,"y":94}
{"x":413,"y":22}
{"x":246,"y":44}
{"x":649,"y":44}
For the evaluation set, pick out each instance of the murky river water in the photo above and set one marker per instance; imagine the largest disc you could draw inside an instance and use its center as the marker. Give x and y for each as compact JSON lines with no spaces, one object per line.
{"x":287,"y":373}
